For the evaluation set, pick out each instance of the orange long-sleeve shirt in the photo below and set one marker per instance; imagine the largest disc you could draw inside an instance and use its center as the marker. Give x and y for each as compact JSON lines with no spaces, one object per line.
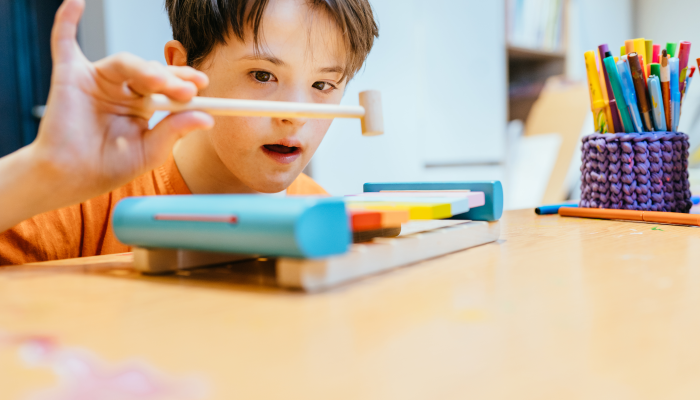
{"x":85,"y":229}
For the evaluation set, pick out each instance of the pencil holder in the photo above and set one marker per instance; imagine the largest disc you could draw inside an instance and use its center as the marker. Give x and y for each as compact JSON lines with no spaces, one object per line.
{"x":636,"y":171}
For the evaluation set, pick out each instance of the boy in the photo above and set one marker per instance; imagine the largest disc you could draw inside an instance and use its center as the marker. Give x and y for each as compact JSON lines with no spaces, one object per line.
{"x":282,"y":50}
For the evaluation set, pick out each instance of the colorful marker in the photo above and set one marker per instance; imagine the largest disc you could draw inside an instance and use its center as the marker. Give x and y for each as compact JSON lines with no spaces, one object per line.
{"x":640,"y":88}
{"x":671,"y":49}
{"x":631,"y":215}
{"x":657,"y":103}
{"x":614,"y":76}
{"x":614,"y":114}
{"x":683,"y":56}
{"x":655,"y":54}
{"x":623,"y":68}
{"x":655,"y":70}
{"x":666,"y":89}
{"x":649,"y":44}
{"x":675,"y":94}
{"x":641,"y":50}
{"x":629,"y":47}
{"x":596,"y":95}
{"x":604,"y":92}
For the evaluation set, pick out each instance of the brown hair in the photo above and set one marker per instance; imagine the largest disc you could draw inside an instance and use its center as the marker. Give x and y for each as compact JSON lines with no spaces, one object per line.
{"x":200,"y":25}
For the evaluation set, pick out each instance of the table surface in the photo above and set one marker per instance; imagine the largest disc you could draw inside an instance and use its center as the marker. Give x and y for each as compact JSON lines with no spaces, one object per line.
{"x":559,"y":308}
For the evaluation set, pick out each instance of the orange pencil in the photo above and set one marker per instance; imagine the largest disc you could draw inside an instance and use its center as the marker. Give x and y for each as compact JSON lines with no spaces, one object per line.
{"x":644,"y":69}
{"x":631,"y":215}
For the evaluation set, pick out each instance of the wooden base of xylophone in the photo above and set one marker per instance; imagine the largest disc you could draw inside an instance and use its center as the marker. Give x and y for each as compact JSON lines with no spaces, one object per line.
{"x":363,"y":259}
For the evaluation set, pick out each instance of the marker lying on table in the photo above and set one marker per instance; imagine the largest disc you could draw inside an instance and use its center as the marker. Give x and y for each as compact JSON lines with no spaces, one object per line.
{"x":552,"y":209}
{"x":631,"y":215}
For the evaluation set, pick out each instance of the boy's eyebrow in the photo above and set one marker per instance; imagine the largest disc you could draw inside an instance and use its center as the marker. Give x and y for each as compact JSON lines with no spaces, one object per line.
{"x":279,"y":62}
{"x":264,"y":57}
{"x":335,"y":69}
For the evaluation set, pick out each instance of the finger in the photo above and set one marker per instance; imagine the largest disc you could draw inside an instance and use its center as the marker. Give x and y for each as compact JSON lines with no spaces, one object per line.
{"x":157,"y":78}
{"x":199,"y":78}
{"x":145,"y":77}
{"x":159,"y":141}
{"x":64,"y":45}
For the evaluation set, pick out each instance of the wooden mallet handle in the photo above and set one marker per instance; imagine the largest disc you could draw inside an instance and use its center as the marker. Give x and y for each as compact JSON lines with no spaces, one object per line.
{"x":369,"y":110}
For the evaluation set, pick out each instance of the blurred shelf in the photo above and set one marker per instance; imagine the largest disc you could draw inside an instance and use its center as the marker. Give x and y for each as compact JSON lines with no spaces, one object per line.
{"x":528,"y":70}
{"x":516,"y":53}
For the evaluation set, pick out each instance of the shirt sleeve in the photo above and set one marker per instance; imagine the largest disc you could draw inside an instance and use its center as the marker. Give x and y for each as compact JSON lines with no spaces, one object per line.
{"x":50,"y":236}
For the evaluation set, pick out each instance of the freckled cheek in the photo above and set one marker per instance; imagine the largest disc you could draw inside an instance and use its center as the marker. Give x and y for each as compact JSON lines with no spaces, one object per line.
{"x":238,"y":135}
{"x":316,"y":134}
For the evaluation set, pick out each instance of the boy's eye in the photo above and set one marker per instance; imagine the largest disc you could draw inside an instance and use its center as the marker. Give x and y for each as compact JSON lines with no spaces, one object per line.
{"x":262,"y":76}
{"x":320,"y":85}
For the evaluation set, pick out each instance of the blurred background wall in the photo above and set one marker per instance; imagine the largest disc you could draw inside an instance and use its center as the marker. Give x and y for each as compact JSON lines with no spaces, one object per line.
{"x":468,"y":94}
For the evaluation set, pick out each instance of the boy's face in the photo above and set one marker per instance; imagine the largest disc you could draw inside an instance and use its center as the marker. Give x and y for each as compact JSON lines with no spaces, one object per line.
{"x":300,"y":59}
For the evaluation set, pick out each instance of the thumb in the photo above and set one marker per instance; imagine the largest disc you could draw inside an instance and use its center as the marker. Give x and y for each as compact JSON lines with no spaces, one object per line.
{"x":159,"y":141}
{"x":64,"y":44}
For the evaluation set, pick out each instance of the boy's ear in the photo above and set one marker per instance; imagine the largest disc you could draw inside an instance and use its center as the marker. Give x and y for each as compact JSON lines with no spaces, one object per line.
{"x":175,"y":54}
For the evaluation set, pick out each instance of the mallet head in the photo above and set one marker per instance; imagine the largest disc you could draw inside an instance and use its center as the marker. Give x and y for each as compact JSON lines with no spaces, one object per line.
{"x":373,"y":121}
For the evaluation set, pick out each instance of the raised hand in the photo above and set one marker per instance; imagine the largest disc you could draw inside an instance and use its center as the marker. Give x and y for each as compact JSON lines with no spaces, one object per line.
{"x":94,"y":135}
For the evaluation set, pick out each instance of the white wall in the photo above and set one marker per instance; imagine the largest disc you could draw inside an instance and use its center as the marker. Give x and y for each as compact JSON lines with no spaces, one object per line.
{"x":137,"y":26}
{"x":673,"y":21}
{"x":668,"y":20}
{"x":441,"y":70}
{"x":595,"y":22}
{"x":140,"y":27}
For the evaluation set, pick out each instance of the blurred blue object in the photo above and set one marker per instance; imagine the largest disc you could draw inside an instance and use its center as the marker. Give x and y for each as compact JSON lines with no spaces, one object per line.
{"x":303,"y":227}
{"x":553,"y":209}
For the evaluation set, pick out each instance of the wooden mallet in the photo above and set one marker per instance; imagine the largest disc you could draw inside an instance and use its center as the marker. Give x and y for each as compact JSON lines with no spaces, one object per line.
{"x":369,"y":111}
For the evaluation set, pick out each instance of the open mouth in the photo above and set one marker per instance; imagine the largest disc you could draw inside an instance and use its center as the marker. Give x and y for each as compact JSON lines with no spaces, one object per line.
{"x":278,"y":148}
{"x":282,"y":154}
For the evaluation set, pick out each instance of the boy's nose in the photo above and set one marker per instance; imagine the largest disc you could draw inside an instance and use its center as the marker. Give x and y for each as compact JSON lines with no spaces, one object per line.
{"x":294,"y":97}
{"x":293,"y":122}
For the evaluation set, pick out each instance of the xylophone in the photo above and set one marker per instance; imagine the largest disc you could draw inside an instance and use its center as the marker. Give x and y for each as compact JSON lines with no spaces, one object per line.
{"x":315,"y":243}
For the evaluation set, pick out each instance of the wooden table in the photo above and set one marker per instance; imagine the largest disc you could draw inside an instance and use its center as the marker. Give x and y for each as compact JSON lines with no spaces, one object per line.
{"x":558,"y":309}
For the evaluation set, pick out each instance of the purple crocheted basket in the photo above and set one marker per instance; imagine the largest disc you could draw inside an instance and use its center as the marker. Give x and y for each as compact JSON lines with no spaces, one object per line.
{"x":636,"y":171}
